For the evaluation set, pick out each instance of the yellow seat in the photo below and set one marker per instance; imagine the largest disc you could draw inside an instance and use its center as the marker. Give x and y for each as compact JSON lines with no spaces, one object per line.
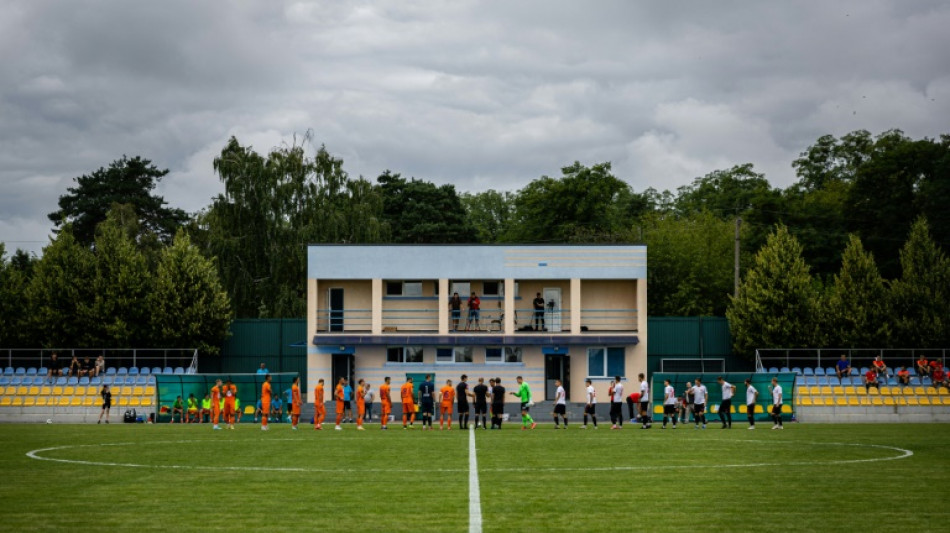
{"x":841,"y":401}
{"x":134,"y":402}
{"x":946,"y":400}
{"x":150,"y":390}
{"x":826,"y":390}
{"x":249,"y":410}
{"x":919,"y":391}
{"x":75,"y":401}
{"x":924,"y":400}
{"x":137,"y":391}
{"x":714,"y":409}
{"x":853,"y":400}
{"x":92,"y":390}
{"x":6,"y":401}
{"x":875,"y":391}
{"x":29,"y":401}
{"x":57,"y":391}
{"x":34,"y":391}
{"x":45,"y":390}
{"x":889,"y":400}
{"x":912,"y":400}
{"x":877,"y":401}
{"x":17,"y":401}
{"x":41,"y":401}
{"x":146,"y":401}
{"x":931,"y":391}
{"x":828,"y":400}
{"x":69,"y":391}
{"x":22,"y":390}
{"x":814,"y":390}
{"x":89,"y":401}
{"x":805,"y":400}
{"x":758,"y":409}
{"x":943,"y":391}
{"x":786,"y":408}
{"x":658,"y":409}
{"x":886,"y":391}
{"x":123,"y":401}
{"x":837,"y":390}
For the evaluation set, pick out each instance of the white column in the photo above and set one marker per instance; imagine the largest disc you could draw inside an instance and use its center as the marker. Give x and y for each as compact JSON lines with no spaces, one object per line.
{"x":575,"y":306}
{"x":443,"y":306}
{"x":509,"y":325}
{"x":376,"y":327}
{"x":313,"y":299}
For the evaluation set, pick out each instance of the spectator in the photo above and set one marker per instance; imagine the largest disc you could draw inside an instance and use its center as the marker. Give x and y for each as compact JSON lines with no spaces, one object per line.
{"x":934,"y":366}
{"x":923,"y":366}
{"x":368,"y":396}
{"x":193,"y":409}
{"x":263,"y":369}
{"x":276,"y":409}
{"x":538,"y":304}
{"x":85,"y":368}
{"x":879,"y":367}
{"x":686,"y":404}
{"x":74,"y":366}
{"x":54,"y":369}
{"x":178,"y":407}
{"x":940,"y":378}
{"x":870,"y":380}
{"x":455,"y":306}
{"x":106,"y":403}
{"x":843,"y":367}
{"x":474,"y":312}
{"x":100,"y":367}
{"x":903,"y":376}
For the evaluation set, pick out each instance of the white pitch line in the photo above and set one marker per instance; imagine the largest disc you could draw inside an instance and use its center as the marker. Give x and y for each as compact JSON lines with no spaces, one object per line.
{"x":474,"y":494}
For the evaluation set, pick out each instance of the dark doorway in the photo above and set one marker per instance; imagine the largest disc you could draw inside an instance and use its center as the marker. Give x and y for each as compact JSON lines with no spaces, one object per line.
{"x":343,"y":367}
{"x":335,"y":298}
{"x":556,"y":367}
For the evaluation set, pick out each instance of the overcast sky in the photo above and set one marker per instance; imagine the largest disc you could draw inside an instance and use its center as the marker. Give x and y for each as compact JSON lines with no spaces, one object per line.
{"x":478,"y":94}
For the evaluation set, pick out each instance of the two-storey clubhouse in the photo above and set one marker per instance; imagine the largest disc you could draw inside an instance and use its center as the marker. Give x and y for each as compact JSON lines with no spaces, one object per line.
{"x":545,"y":312}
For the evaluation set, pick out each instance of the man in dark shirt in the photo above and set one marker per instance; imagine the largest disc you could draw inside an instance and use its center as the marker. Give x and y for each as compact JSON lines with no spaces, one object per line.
{"x":461,"y":395}
{"x":497,"y":404}
{"x":538,"y":312}
{"x":85,"y":367}
{"x":481,"y":402}
{"x":427,"y":402}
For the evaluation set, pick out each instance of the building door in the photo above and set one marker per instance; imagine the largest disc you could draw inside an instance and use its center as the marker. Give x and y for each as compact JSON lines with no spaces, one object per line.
{"x":335,"y":301}
{"x":343,"y":366}
{"x":556,"y":366}
{"x":552,"y":308}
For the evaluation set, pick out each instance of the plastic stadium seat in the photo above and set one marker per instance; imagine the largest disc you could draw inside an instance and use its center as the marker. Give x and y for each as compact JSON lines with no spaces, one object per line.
{"x":249,"y":410}
{"x":912,"y":400}
{"x":913,"y":371}
{"x":5,"y":380}
{"x":122,"y":371}
{"x":877,"y":401}
{"x":17,"y":401}
{"x":819,"y":371}
{"x":889,"y":400}
{"x":45,"y":390}
{"x":797,"y":370}
{"x":150,"y":391}
{"x":141,"y":380}
{"x":133,"y":371}
{"x":925,"y":381}
{"x":134,"y":402}
{"x":95,"y":381}
{"x":137,"y":391}
{"x":823,"y":380}
{"x":110,"y":371}
{"x":146,"y":401}
{"x":34,"y":390}
{"x":22,"y":390}
{"x":658,"y":409}
{"x":16,"y":380}
{"x":785,"y":369}
{"x":31,"y":371}
{"x":150,"y":380}
{"x":123,"y":401}
{"x":6,"y":401}
{"x":841,"y":401}
{"x":8,"y":371}
{"x":773,"y":370}
{"x":144,"y":371}
{"x":179,"y":371}
{"x":73,"y":380}
{"x":833,"y":380}
{"x":84,"y":380}
{"x":89,"y":401}
{"x":41,"y":401}
{"x":20,"y":371}
{"x":924,"y":400}
{"x":191,"y":370}
{"x":156,"y":370}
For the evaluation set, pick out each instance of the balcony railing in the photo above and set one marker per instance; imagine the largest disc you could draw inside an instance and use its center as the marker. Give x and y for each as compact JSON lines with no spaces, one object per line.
{"x":337,"y":320}
{"x":609,"y":319}
{"x":410,"y":320}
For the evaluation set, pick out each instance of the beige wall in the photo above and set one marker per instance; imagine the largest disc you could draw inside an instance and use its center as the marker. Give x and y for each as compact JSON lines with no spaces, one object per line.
{"x":609,"y":294}
{"x":356,"y":295}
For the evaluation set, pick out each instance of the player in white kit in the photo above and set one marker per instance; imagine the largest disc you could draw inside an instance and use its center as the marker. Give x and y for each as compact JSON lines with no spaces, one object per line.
{"x":669,"y":403}
{"x":777,"y":404}
{"x":699,"y":403}
{"x":560,"y":405}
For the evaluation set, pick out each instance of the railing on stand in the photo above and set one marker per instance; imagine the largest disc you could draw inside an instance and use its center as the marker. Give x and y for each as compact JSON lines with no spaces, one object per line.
{"x":859,"y":358}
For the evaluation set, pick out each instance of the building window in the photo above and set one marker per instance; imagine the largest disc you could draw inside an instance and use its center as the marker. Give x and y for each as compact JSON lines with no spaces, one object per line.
{"x":510,"y":354}
{"x":605,"y":362}
{"x":403,"y":288}
{"x":404,"y":354}
{"x":458,"y":354}
{"x":513,"y":354}
{"x":464,"y":289}
{"x":493,"y":288}
{"x":493,"y":355}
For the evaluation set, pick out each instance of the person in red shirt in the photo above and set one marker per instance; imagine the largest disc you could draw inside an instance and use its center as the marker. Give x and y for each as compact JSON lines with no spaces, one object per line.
{"x":879,"y":367}
{"x":295,"y":403}
{"x":870,"y":380}
{"x":923,"y":366}
{"x":474,"y":311}
{"x":265,"y":402}
{"x":633,"y":401}
{"x":446,"y":397}
{"x":940,"y":378}
{"x":903,"y":376}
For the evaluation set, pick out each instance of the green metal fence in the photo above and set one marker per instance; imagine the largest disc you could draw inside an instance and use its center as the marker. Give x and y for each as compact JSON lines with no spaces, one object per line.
{"x":169,"y":387}
{"x":762,"y":382}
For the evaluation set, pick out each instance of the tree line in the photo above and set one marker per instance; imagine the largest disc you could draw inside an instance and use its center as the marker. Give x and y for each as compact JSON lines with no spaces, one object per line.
{"x":254,"y":234}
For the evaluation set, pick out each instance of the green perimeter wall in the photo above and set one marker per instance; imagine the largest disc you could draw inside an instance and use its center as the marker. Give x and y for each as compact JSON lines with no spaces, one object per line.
{"x":254,"y":341}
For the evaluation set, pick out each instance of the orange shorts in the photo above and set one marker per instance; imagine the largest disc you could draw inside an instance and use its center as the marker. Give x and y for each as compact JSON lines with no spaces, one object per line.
{"x":387,"y":408}
{"x":408,"y":408}
{"x":447,"y":408}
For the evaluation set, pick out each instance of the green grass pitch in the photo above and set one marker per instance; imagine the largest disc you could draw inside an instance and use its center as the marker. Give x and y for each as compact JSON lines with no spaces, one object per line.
{"x":188,"y":478}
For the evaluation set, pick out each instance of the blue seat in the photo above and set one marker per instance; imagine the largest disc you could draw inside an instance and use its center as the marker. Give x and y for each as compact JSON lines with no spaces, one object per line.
{"x":8,"y":371}
{"x":808,"y":371}
{"x":95,"y":381}
{"x":31,"y":371}
{"x":20,"y":371}
{"x":110,"y":371}
{"x":190,"y":370}
{"x":819,"y":371}
{"x":144,"y":371}
{"x":108,"y":380}
{"x":150,"y":380}
{"x":926,"y":381}
{"x":38,"y":380}
{"x":833,"y":380}
{"x":42,"y":371}
{"x":179,"y":371}
{"x":84,"y":380}
{"x":863,"y":371}
{"x":830,"y":371}
{"x":773,"y":370}
{"x":811,"y":380}
{"x":785,"y":369}
{"x":822,"y":380}
{"x":123,"y":371}
{"x":133,"y":371}
{"x":73,"y":380}
{"x":797,"y":370}
{"x":4,"y":380}
{"x":16,"y":380}
{"x":167,"y":370}
{"x":61,"y":380}
{"x":913,"y":371}
{"x":141,"y":380}
{"x":846,"y":380}
{"x":156,"y":370}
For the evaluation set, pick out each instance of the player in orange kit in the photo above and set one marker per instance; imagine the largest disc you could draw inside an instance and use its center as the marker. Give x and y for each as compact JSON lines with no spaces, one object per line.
{"x":386,"y":402}
{"x":338,"y":396}
{"x":408,"y":403}
{"x":230,"y":396}
{"x":295,"y":403}
{"x":216,"y":403}
{"x":446,"y":398}
{"x":319,"y":408}
{"x":360,"y":404}
{"x":265,"y":402}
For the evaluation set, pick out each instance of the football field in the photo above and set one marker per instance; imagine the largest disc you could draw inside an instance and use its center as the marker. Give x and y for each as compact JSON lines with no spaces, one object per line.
{"x":174,"y":477}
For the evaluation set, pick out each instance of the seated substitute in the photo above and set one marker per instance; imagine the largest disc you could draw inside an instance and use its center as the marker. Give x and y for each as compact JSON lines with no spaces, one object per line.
{"x":903,"y":376}
{"x":276,"y":408}
{"x":193,"y":409}
{"x":940,"y":378}
{"x":879,"y":367}
{"x":923,"y":366}
{"x":206,"y":408}
{"x":179,"y":408}
{"x":843,"y":367}
{"x":870,"y":380}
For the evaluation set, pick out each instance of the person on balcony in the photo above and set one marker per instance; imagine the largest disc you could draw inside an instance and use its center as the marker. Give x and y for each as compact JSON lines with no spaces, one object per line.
{"x":474,"y":312}
{"x":538,"y":303}
{"x":455,"y":305}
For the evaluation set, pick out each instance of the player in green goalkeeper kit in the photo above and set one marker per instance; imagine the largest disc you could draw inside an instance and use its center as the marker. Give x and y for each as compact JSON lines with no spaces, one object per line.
{"x":524,"y":392}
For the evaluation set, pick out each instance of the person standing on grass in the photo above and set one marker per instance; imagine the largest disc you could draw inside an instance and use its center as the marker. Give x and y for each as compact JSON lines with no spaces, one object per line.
{"x":216,"y":404}
{"x":751,"y":398}
{"x":106,"y":403}
{"x":777,"y":404}
{"x":427,"y":402}
{"x":338,"y":395}
{"x":266,"y":393}
{"x":645,"y":417}
{"x":616,"y":401}
{"x":524,"y":393}
{"x":560,"y":405}
{"x":497,"y":404}
{"x":296,"y":402}
{"x":230,"y":399}
{"x":590,"y":409}
{"x":462,"y":395}
{"x":725,"y":407}
{"x":360,"y":393}
{"x":446,"y":398}
{"x":347,"y":398}
{"x":686,"y":406}
{"x":408,"y":405}
{"x":369,"y":397}
{"x":319,"y":408}
{"x":699,"y":403}
{"x":386,"y":404}
{"x":669,"y":403}
{"x":481,"y":402}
